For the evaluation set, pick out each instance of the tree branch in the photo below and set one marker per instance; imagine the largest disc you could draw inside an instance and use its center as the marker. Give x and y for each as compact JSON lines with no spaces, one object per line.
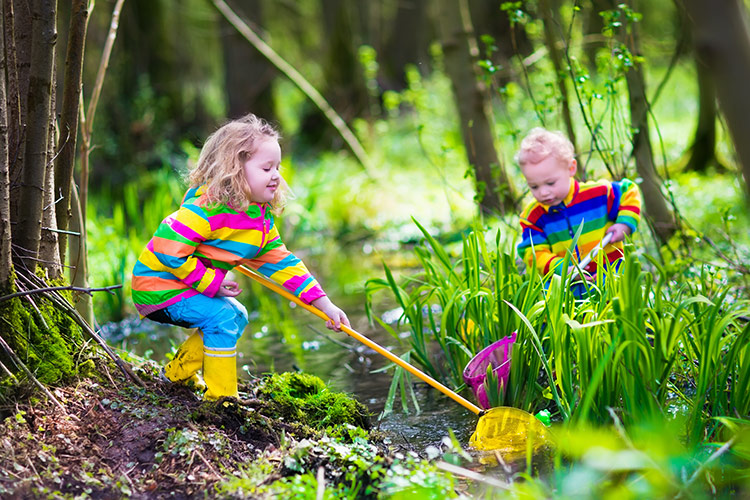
{"x":88,"y":291}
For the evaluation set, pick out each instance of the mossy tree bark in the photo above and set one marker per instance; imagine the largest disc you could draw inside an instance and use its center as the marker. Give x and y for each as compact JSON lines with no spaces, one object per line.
{"x":494,"y":190}
{"x":40,"y":338}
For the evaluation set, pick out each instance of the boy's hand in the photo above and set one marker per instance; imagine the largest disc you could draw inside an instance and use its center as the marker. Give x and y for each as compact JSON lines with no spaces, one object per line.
{"x":619,"y":231}
{"x":229,"y":288}
{"x":336,"y":316}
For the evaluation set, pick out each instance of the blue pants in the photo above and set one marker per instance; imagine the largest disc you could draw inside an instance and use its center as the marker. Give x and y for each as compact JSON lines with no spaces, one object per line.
{"x":221,"y":319}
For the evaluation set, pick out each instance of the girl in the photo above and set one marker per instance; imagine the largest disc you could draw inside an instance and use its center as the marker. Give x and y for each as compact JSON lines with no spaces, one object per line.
{"x":225,"y":220}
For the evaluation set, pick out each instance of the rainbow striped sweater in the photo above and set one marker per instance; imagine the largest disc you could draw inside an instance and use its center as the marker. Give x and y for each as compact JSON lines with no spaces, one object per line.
{"x":597,"y":205}
{"x":195,"y":247}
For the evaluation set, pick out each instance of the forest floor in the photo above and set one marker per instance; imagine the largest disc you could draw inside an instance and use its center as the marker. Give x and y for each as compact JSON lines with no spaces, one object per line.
{"x":111,"y":438}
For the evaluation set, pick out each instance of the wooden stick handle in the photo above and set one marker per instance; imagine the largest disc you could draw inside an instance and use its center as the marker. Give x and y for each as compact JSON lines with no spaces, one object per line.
{"x":361,"y":338}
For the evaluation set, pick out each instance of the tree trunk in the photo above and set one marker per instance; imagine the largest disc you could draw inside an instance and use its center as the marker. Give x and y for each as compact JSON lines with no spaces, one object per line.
{"x":66,"y":147}
{"x":49,"y":251}
{"x":494,"y":191}
{"x":702,"y":151}
{"x":552,"y":33}
{"x":248,"y":75}
{"x":17,"y":49}
{"x":655,"y":203}
{"x":344,"y":84}
{"x":722,"y":43}
{"x":78,"y":260}
{"x":488,"y":18}
{"x":6,"y":265}
{"x":593,"y":24}
{"x":408,"y":43}
{"x":28,"y":232}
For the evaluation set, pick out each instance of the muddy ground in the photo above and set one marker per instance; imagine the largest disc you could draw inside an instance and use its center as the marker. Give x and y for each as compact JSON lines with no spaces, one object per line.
{"x":111,"y":438}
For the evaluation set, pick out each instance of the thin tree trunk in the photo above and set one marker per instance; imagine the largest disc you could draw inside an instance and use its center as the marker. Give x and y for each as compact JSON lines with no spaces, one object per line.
{"x":6,"y":264}
{"x":66,"y":148}
{"x":49,"y":252}
{"x":494,"y":191}
{"x":78,"y":260}
{"x":344,"y":85}
{"x":703,"y":149}
{"x":408,"y":43}
{"x":14,"y":104}
{"x":593,"y":24}
{"x":656,"y":206}
{"x":552,"y":31}
{"x":39,"y":112}
{"x":722,"y":43}
{"x":241,"y":59}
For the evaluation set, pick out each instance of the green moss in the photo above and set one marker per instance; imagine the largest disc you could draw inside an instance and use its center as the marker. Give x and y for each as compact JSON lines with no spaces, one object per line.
{"x":304,"y":398}
{"x":47,"y":341}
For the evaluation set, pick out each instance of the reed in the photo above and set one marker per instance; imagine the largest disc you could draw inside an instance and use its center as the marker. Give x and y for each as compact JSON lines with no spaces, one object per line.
{"x":636,"y":344}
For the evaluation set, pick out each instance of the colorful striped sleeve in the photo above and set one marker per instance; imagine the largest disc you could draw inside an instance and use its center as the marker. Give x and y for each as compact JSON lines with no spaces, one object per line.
{"x":276,"y":262}
{"x":534,"y":248}
{"x":625,"y":202}
{"x":174,"y":244}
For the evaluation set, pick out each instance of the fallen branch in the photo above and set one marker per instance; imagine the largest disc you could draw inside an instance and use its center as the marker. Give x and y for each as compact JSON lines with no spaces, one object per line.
{"x":89,"y":291}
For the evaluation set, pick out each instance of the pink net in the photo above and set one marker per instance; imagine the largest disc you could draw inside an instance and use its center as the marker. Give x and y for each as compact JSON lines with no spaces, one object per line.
{"x":496,"y":354}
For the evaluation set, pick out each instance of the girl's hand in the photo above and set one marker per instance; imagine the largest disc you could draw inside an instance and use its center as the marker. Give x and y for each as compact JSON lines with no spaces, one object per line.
{"x":229,"y":288}
{"x":336,"y":316}
{"x":619,"y":231}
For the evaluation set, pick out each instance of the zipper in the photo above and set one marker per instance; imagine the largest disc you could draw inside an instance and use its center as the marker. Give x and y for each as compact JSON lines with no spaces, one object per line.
{"x":263,"y":223}
{"x":564,"y":212}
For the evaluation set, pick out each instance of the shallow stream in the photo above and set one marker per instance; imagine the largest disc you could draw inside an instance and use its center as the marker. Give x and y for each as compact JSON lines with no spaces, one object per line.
{"x":281,"y":337}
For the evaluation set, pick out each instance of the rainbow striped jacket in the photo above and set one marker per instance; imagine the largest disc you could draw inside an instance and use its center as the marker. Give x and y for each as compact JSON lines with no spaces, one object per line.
{"x":195,"y":247}
{"x":597,"y":205}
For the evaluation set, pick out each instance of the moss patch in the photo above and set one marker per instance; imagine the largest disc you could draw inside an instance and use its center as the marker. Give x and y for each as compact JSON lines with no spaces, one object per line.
{"x":46,"y":339}
{"x":304,"y":398}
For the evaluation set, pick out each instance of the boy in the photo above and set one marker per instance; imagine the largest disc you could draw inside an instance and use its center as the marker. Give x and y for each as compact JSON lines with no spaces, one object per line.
{"x":562,"y":204}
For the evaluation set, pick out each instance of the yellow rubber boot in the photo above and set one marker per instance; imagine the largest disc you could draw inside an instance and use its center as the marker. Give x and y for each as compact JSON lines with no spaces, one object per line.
{"x":220,"y":375}
{"x":187,"y":361}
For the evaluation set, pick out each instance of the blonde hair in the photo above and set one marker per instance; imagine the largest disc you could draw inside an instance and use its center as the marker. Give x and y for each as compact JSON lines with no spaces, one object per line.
{"x":541,"y":143}
{"x":220,"y":167}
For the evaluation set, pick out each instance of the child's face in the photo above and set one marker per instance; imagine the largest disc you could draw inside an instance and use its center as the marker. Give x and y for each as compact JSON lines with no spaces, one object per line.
{"x":549,"y":180}
{"x":262,"y":171}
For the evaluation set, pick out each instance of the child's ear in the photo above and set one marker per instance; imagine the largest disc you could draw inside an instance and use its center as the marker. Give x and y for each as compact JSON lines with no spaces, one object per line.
{"x":573,"y":167}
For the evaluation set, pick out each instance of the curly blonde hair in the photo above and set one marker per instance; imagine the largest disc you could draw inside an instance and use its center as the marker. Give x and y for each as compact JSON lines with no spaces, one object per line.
{"x":541,"y":143}
{"x":220,"y":167}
